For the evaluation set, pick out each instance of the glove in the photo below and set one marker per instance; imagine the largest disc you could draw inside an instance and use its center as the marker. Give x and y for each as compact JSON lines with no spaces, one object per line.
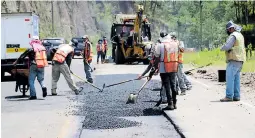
{"x":89,"y":61}
{"x":139,"y":77}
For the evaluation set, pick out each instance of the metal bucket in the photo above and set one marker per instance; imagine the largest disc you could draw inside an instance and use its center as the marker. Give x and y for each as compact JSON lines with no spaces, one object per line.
{"x":221,"y":75}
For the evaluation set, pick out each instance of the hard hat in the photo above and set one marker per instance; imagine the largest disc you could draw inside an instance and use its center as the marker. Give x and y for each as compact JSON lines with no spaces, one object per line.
{"x":35,"y":37}
{"x":85,"y":36}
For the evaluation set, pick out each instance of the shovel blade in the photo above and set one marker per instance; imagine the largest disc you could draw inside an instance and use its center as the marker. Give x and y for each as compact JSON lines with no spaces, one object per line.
{"x":132,"y":98}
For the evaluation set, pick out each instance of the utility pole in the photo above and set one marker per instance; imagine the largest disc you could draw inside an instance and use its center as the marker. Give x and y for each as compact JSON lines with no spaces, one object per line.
{"x":52,"y":17}
{"x":201,"y":36}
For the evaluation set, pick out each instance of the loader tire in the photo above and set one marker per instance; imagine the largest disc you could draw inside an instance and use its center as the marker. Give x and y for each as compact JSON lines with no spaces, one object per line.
{"x":119,"y":58}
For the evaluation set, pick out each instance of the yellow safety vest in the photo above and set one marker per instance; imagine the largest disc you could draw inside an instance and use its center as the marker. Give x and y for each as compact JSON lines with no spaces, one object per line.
{"x":237,"y":52}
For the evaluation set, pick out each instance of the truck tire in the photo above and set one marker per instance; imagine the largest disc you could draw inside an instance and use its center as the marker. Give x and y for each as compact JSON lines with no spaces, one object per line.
{"x":119,"y":58}
{"x":146,"y":61}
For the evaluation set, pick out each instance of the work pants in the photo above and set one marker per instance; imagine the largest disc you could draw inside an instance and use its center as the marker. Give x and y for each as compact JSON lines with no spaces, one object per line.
{"x":33,"y":73}
{"x":101,"y":55}
{"x":169,"y":82}
{"x":88,"y":72}
{"x":180,"y":76}
{"x":233,"y":79}
{"x":58,"y":68}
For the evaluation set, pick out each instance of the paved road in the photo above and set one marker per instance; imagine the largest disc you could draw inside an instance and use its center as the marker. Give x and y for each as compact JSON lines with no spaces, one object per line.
{"x":90,"y":114}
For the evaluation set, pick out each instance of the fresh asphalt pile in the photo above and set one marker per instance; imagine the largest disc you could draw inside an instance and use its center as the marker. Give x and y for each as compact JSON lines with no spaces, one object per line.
{"x":103,"y":110}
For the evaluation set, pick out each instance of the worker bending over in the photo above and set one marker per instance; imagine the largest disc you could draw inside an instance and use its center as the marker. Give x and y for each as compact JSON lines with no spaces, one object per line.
{"x":61,"y":64}
{"x":167,"y":59}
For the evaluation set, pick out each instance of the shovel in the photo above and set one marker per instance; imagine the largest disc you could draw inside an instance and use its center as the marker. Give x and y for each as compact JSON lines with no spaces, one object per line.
{"x":132,"y":98}
{"x":87,"y":82}
{"x":121,"y":82}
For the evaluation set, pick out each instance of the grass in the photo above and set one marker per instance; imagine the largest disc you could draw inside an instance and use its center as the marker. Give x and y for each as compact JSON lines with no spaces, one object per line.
{"x":217,"y":58}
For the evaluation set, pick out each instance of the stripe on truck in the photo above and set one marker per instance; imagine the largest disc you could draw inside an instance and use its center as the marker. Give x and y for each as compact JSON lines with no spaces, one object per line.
{"x":15,"y":50}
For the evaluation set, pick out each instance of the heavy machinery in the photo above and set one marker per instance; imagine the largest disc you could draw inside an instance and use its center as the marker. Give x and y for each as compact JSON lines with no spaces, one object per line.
{"x":131,"y":37}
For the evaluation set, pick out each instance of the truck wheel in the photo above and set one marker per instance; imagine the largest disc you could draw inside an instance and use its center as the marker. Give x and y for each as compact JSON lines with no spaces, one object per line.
{"x":146,"y":61}
{"x":119,"y":58}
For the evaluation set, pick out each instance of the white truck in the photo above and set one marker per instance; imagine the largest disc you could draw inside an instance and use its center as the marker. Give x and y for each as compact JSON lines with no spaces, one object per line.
{"x":17,"y":30}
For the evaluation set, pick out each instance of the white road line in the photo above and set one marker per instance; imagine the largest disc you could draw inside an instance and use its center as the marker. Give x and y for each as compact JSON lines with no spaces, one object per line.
{"x":199,"y":82}
{"x":244,"y":103}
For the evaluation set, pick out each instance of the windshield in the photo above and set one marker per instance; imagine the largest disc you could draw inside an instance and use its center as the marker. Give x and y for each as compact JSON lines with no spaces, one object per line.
{"x":80,"y":40}
{"x":53,"y":41}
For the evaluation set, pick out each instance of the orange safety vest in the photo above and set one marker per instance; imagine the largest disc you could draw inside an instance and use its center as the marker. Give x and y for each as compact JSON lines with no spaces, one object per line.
{"x":62,"y":52}
{"x":88,"y":53}
{"x":100,"y":48}
{"x":40,"y":55}
{"x":171,"y":56}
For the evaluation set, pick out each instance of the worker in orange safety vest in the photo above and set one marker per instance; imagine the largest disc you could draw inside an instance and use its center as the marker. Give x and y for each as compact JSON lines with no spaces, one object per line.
{"x":37,"y":61}
{"x":87,"y":58}
{"x":100,"y":51}
{"x":167,"y":63}
{"x":61,"y":65}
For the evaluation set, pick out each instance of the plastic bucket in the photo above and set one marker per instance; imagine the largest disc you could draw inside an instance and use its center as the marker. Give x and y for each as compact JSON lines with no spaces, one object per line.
{"x":221,"y":75}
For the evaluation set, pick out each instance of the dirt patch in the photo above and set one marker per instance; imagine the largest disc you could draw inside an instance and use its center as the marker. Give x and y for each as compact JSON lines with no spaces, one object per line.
{"x":247,"y":81}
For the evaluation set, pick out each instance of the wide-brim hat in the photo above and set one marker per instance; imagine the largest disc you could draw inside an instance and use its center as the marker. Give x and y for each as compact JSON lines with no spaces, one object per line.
{"x":230,"y":24}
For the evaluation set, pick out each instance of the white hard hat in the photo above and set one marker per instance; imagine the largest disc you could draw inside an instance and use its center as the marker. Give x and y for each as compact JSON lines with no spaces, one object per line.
{"x":36,"y":37}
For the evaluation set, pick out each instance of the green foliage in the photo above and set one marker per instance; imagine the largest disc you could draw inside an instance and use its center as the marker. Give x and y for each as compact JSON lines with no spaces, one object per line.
{"x":217,"y":58}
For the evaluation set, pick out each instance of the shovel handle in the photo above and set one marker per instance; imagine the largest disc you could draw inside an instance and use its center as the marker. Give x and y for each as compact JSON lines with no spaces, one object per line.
{"x":142,"y":87}
{"x":123,"y":82}
{"x":87,"y":82}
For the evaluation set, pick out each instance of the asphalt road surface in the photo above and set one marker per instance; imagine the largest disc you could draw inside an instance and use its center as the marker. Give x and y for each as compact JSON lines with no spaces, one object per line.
{"x":92,"y":114}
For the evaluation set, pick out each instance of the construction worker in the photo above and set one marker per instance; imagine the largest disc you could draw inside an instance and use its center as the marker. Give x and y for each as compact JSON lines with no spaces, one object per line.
{"x":87,"y":58}
{"x":235,"y":56}
{"x":151,"y":57}
{"x":167,"y":59}
{"x":180,"y":74}
{"x":100,"y":51}
{"x":61,"y":64}
{"x":37,"y":61}
{"x":106,"y":47}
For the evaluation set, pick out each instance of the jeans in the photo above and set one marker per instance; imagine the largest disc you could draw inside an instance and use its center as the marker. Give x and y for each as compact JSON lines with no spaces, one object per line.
{"x":33,"y":73}
{"x":87,"y":71}
{"x":180,"y":76}
{"x":169,"y":82}
{"x":233,"y":79}
{"x":186,"y":81}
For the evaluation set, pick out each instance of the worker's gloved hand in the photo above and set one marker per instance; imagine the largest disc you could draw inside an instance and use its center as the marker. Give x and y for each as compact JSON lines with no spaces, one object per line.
{"x":89,"y":61}
{"x":149,"y":78}
{"x":139,"y":77}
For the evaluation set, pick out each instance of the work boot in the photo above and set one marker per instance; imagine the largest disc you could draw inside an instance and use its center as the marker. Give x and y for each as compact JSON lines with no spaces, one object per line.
{"x":175,"y":107}
{"x":236,"y":99}
{"x":32,"y":98}
{"x":90,"y":81}
{"x":183,"y":92}
{"x":77,"y":91}
{"x":53,"y":92}
{"x":226,"y":99}
{"x":169,"y":107}
{"x":44,"y":89}
{"x":189,"y":87}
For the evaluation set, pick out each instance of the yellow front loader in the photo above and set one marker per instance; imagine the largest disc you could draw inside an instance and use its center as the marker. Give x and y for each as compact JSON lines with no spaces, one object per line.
{"x":131,"y":38}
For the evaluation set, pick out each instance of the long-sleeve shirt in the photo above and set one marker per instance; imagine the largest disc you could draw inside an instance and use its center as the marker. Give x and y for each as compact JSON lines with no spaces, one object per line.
{"x":147,"y":69}
{"x":229,"y":44}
